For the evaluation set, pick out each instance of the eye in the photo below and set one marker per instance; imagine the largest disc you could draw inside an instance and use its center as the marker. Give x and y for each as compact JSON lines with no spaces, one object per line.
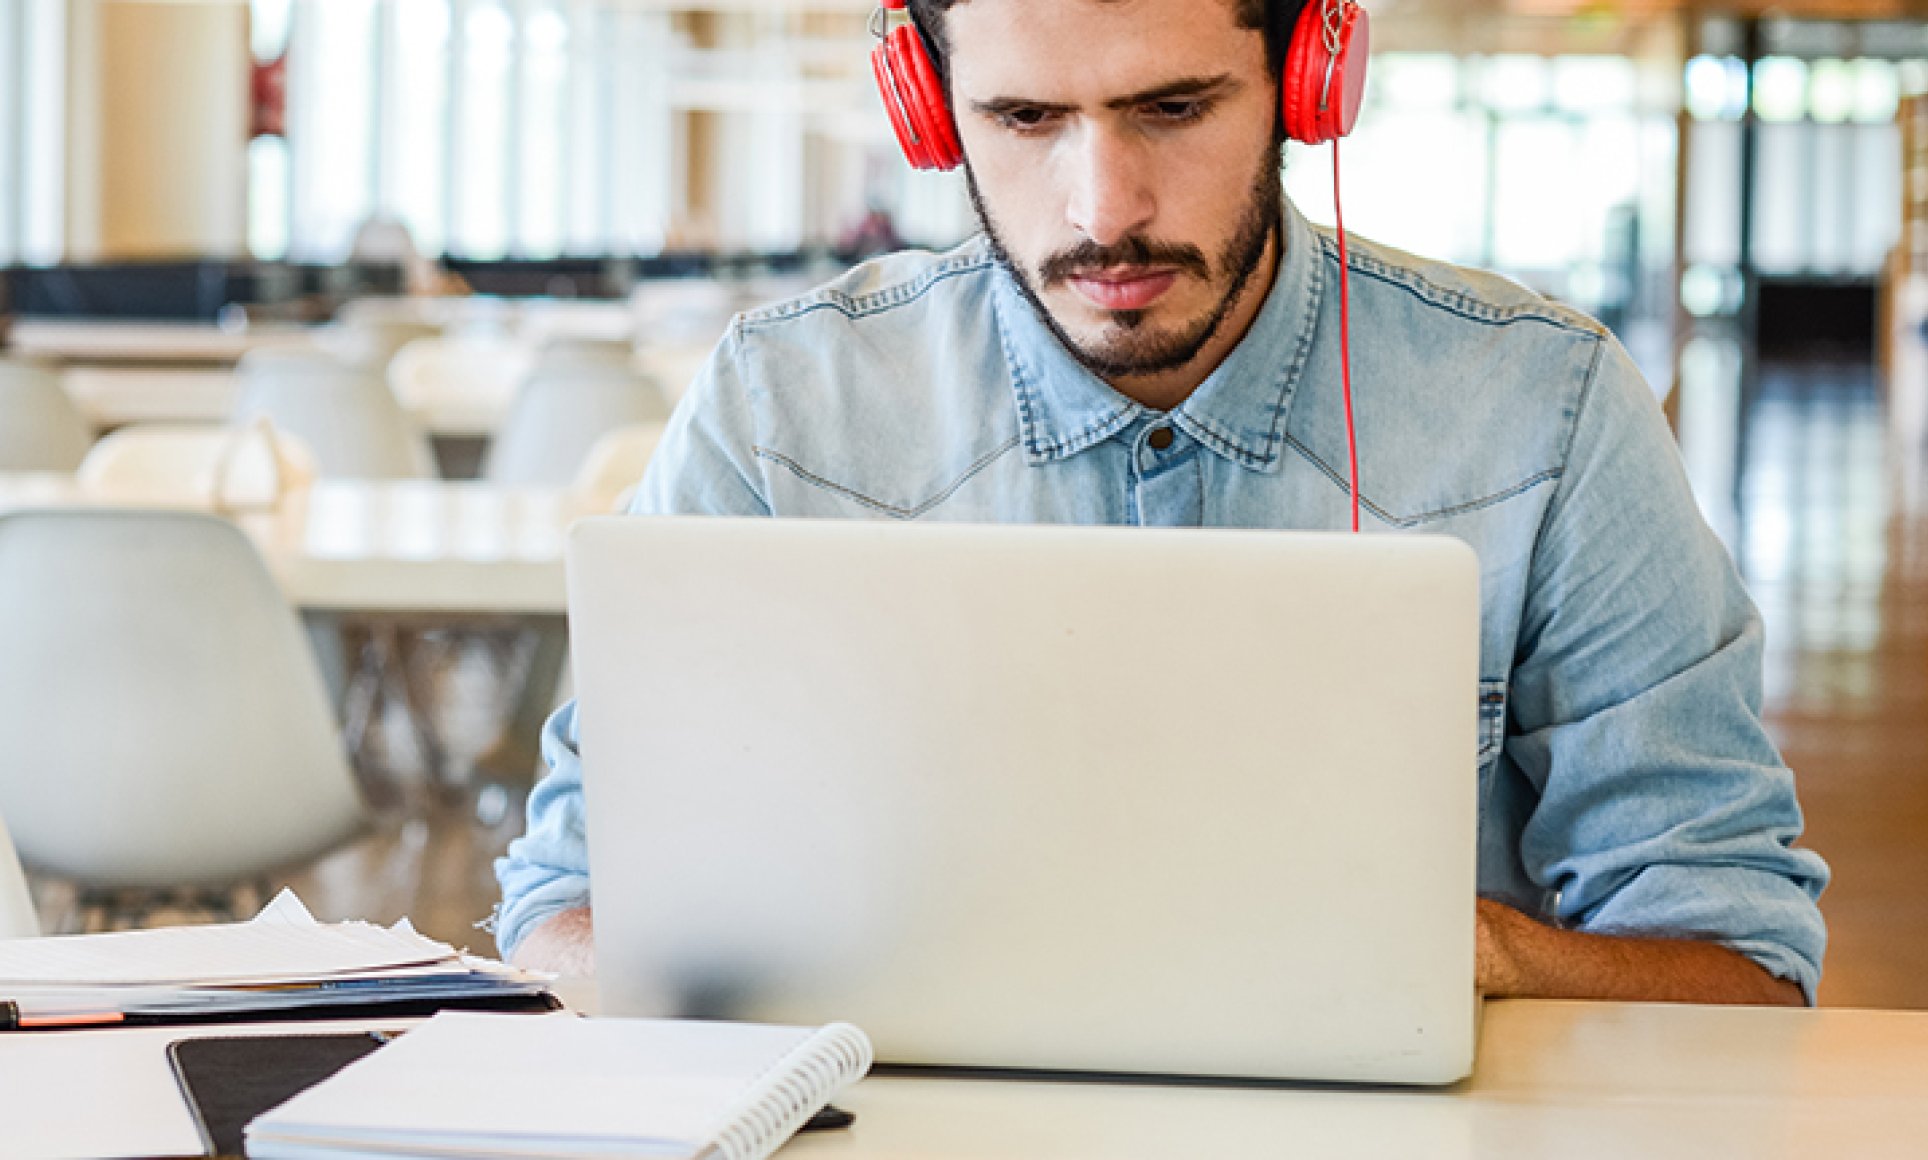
{"x":1177,"y":112}
{"x":1025,"y":120}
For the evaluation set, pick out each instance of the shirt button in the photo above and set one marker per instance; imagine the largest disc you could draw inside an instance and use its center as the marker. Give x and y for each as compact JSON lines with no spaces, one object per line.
{"x":1161,"y":439}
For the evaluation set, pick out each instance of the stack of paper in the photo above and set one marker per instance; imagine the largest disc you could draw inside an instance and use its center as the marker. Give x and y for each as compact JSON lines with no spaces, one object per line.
{"x":282,"y":962}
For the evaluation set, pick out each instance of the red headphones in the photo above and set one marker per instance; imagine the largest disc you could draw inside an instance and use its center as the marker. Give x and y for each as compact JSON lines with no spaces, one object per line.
{"x":1323,"y":86}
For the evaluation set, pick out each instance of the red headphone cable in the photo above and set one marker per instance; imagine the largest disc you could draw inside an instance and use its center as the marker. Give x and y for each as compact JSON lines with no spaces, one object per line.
{"x":1345,"y":338}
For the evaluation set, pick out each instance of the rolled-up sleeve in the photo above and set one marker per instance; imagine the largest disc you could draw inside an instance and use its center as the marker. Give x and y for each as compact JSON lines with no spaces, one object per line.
{"x":705,"y":465}
{"x":1664,"y":807}
{"x":546,"y":870}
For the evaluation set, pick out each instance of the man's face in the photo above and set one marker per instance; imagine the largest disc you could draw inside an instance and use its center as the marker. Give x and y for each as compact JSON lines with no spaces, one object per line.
{"x":1123,"y":159}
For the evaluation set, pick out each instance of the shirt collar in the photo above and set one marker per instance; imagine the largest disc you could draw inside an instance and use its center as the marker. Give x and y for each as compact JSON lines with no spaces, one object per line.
{"x":1239,"y":410}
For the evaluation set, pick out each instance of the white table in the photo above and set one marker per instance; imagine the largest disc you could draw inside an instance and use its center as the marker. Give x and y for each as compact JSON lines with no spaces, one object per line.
{"x":120,"y":374}
{"x":1555,"y":1080}
{"x":426,"y":546}
{"x":148,"y":343}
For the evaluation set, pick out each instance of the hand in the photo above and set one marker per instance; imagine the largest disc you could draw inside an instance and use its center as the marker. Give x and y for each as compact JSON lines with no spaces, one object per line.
{"x":564,"y":944}
{"x":1496,"y":973}
{"x":1517,"y":957}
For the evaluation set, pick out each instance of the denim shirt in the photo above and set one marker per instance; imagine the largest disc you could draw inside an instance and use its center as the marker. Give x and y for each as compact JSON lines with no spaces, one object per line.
{"x":1626,"y":783}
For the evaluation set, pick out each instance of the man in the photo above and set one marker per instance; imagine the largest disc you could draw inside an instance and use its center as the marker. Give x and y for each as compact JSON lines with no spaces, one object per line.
{"x":1147,"y":334}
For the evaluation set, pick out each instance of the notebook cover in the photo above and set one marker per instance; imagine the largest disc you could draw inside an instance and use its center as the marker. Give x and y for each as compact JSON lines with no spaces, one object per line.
{"x":229,"y":1080}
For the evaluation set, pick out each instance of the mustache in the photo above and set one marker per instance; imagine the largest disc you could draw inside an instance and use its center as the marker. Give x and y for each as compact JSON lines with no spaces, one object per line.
{"x":1090,"y":257}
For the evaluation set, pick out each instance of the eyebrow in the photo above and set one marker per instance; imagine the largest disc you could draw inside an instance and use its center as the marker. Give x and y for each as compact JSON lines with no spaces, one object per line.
{"x":1222,"y":84}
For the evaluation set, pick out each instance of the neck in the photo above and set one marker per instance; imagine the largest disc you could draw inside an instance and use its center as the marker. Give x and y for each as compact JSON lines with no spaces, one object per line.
{"x":1166,"y":390}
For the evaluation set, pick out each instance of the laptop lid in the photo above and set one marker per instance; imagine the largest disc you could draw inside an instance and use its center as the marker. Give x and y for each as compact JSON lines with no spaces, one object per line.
{"x":1182,"y":802}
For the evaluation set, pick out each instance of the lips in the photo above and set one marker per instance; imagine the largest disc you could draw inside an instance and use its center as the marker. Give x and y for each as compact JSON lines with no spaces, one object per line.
{"x":1123,"y":289}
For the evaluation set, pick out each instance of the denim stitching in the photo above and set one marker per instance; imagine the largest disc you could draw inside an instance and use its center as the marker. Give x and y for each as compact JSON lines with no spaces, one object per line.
{"x":1572,"y":435}
{"x":1209,"y":433}
{"x":1487,"y":758}
{"x":1458,"y":301}
{"x":1212,"y":434}
{"x":1391,"y":520}
{"x":1022,"y":386}
{"x":863,"y":306}
{"x":1315,"y":301}
{"x":902,"y":513}
{"x":1095,"y":433}
{"x":741,"y":361}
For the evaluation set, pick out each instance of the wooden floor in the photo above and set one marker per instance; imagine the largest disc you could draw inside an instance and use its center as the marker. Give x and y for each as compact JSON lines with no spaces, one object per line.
{"x":1833,"y":539}
{"x":1829,"y":520}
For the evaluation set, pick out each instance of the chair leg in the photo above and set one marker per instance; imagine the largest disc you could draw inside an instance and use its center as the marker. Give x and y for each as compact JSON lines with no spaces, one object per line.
{"x":414,"y":663}
{"x":362,"y":702}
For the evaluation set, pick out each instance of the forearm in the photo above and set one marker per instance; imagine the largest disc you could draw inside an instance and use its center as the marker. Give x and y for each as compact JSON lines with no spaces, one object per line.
{"x":564,"y":944}
{"x":1524,"y":959}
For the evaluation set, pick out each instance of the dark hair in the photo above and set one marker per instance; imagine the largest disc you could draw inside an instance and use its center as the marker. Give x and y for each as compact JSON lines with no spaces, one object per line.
{"x":1276,"y":17}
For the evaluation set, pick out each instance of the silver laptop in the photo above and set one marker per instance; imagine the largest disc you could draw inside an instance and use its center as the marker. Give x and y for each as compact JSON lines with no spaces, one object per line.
{"x":1102,"y":800}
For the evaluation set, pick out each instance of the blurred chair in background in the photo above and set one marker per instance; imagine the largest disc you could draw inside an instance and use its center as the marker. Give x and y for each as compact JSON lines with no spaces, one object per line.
{"x":348,"y":418}
{"x":205,"y":467}
{"x":40,"y":428}
{"x":615,"y":465}
{"x":17,"y":916}
{"x":245,"y":472}
{"x":356,"y":429}
{"x":608,"y":477}
{"x":681,"y":311}
{"x":577,"y":393}
{"x":463,"y":375}
{"x":369,"y":344}
{"x":576,"y":319}
{"x":580,"y":393}
{"x":167,"y":728}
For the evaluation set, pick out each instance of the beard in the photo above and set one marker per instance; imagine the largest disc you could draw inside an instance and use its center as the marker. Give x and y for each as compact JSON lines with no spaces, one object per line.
{"x":1128,"y":347}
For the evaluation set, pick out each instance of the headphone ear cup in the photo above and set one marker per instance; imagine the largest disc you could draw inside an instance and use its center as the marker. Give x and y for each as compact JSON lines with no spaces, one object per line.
{"x":896,"y":106}
{"x":1303,"y":87}
{"x":914,"y":99}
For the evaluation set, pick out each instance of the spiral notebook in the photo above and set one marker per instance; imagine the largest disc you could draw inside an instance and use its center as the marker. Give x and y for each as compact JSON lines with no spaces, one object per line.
{"x":473,"y":1084}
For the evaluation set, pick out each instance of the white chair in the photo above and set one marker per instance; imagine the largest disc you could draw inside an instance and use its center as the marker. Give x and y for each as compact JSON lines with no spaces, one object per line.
{"x":572,"y":318}
{"x":369,"y":343}
{"x":578,"y":392}
{"x":40,"y":428}
{"x":608,"y":476}
{"x":166,"y":726}
{"x":17,"y":916}
{"x":348,"y":418}
{"x":463,"y":373}
{"x":615,"y":465}
{"x":197,"y":466}
{"x":683,"y":311}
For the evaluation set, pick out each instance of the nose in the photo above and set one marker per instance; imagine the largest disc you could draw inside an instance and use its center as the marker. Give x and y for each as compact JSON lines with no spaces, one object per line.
{"x":1111,"y":192}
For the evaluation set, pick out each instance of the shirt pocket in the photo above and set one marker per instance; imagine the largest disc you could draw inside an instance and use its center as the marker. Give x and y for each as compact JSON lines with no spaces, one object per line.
{"x":1492,"y":720}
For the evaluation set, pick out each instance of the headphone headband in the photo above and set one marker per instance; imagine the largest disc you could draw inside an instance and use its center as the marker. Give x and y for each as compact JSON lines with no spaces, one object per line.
{"x":1321,"y":91}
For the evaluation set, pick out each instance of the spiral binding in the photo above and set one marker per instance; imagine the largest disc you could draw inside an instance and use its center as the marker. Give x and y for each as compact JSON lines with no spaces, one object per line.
{"x":787,"y":1095}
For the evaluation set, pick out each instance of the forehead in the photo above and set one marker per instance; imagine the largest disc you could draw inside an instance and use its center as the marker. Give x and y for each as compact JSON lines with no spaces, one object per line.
{"x":1060,"y":50}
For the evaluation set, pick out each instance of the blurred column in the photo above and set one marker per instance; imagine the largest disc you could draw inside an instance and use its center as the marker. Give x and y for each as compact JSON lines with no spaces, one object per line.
{"x":1750,"y":171}
{"x":157,"y":126}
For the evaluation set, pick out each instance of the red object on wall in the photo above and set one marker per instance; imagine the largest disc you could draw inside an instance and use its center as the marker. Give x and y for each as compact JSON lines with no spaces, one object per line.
{"x":268,"y":91}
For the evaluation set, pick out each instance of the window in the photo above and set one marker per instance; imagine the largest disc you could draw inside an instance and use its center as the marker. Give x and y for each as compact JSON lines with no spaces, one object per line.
{"x":541,"y":128}
{"x":1827,"y":189}
{"x":1557,"y":170}
{"x":32,"y":130}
